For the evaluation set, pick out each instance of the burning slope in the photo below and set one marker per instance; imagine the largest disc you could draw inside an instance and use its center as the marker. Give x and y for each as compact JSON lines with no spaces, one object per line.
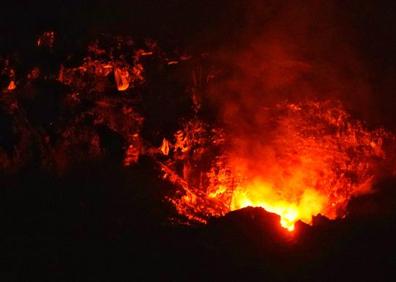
{"x":297,"y":159}
{"x":305,"y":159}
{"x":315,"y":159}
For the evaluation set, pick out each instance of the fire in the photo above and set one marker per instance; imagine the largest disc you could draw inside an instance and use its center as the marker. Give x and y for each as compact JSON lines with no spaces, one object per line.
{"x":165,"y":147}
{"x":301,"y":160}
{"x":11,"y":86}
{"x":121,"y":77}
{"x":297,"y":160}
{"x":260,"y":194}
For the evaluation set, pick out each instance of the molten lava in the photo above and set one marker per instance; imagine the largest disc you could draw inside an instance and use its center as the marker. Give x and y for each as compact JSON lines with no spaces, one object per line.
{"x":300,"y":160}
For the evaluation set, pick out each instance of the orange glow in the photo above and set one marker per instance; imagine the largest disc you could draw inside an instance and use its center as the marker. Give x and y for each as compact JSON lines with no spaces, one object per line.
{"x":165,"y":147}
{"x":301,"y":160}
{"x":261,"y":194}
{"x":11,"y":86}
{"x":121,"y":77}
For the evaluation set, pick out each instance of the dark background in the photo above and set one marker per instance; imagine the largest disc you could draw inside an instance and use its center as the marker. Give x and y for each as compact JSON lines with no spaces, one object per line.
{"x":109,"y":225}
{"x":201,"y":26}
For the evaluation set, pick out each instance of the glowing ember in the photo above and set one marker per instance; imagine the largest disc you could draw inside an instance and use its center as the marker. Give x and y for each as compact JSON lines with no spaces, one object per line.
{"x":121,"y":77}
{"x":303,"y":160}
{"x":11,"y":86}
{"x":165,"y":147}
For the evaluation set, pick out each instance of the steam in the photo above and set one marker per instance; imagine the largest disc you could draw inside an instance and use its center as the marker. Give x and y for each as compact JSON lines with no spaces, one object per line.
{"x":298,"y":51}
{"x":290,"y":52}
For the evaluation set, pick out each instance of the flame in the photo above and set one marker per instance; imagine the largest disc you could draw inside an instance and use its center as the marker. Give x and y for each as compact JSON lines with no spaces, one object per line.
{"x":121,"y":77}
{"x":296,"y":160}
{"x":301,"y":160}
{"x":11,"y":86}
{"x":164,"y":148}
{"x":261,"y":194}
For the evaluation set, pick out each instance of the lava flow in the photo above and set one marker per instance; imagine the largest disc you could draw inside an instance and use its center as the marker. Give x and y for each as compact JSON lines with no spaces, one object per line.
{"x":304,"y":159}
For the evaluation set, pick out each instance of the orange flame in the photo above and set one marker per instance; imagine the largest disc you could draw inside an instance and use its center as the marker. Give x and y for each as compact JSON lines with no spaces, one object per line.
{"x":261,"y":194}
{"x":164,"y":148}
{"x":306,"y":159}
{"x":121,"y":77}
{"x":11,"y":86}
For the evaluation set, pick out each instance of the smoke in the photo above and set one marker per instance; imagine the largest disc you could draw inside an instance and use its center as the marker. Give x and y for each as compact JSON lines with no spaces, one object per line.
{"x":285,"y":105}
{"x":291,"y":51}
